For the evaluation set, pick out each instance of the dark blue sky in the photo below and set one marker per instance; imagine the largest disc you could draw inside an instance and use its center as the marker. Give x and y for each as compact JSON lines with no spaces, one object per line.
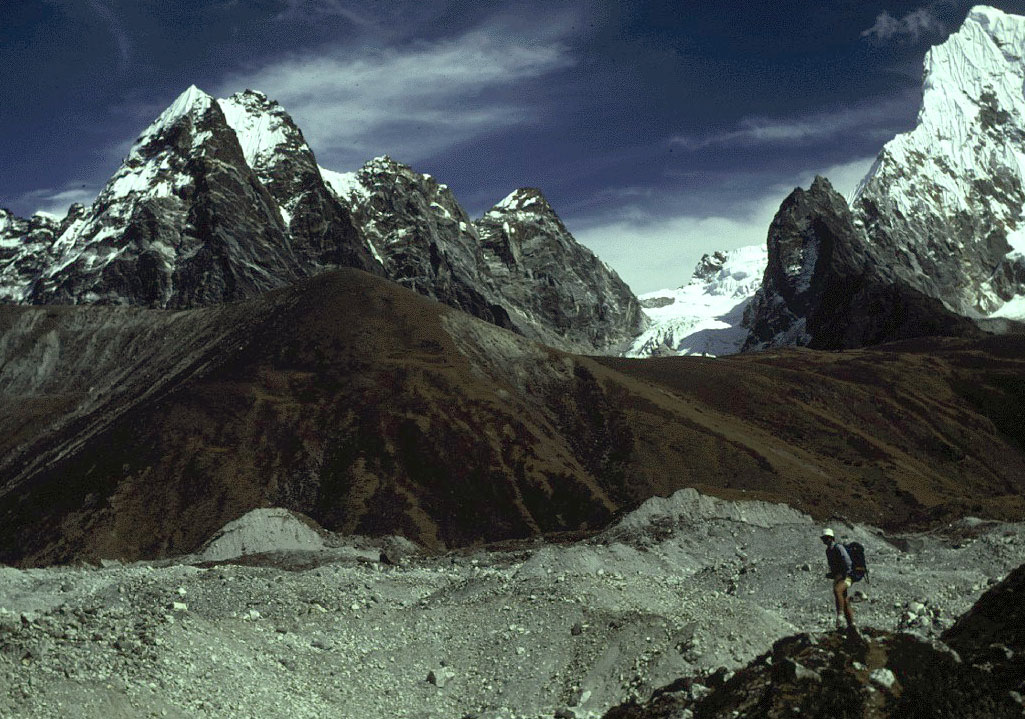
{"x":658,"y":130}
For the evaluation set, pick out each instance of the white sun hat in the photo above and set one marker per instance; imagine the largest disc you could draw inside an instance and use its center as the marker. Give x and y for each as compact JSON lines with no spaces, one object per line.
{"x":827,"y":532}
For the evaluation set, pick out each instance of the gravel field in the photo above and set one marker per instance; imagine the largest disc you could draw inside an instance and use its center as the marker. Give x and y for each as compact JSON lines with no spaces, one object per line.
{"x":350,"y":627}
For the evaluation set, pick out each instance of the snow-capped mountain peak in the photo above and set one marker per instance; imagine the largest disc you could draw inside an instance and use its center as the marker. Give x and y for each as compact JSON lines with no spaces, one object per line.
{"x":221,"y":199}
{"x":978,"y":70}
{"x":262,"y":126}
{"x":193,"y":102}
{"x":703,"y":316}
{"x":734,"y":273}
{"x":344,"y":184}
{"x":954,"y":186}
{"x":524,"y":199}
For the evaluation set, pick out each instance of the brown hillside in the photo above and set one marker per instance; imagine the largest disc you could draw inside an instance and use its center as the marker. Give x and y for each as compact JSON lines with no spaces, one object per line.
{"x":136,"y":433}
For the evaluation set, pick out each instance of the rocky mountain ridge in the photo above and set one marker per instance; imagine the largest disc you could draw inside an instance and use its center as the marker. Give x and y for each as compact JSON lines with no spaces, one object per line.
{"x":550,"y":280}
{"x":219,"y":200}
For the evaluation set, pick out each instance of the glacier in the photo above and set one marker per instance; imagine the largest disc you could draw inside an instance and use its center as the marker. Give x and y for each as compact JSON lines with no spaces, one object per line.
{"x":704,"y":316}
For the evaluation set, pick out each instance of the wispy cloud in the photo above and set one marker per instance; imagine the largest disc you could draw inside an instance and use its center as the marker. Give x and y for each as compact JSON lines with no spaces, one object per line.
{"x":652,"y":252}
{"x":88,"y":11}
{"x":56,"y":201}
{"x":416,"y":99}
{"x":917,"y":25}
{"x":878,"y":120}
{"x":316,"y":10}
{"x":116,"y":27}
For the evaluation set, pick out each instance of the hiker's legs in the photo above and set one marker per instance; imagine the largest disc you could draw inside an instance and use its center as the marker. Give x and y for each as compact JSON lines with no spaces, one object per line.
{"x":843,"y":602}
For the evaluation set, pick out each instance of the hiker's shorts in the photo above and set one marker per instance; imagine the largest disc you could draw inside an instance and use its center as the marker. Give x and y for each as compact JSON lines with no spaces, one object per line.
{"x":846,"y":581}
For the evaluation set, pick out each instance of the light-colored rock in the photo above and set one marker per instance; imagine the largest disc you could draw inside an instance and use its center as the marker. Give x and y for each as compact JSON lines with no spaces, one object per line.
{"x":262,"y":530}
{"x":883,"y":677}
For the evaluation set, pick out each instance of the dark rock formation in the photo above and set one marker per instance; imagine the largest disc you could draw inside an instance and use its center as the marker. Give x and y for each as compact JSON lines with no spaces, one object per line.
{"x":551,"y":282}
{"x":516,"y":267}
{"x":879,"y":675}
{"x":322,"y":232}
{"x":825,"y":287}
{"x":221,"y":200}
{"x":186,"y":221}
{"x":424,"y":238}
{"x":991,"y":635}
{"x":935,"y":230}
{"x":710,"y":265}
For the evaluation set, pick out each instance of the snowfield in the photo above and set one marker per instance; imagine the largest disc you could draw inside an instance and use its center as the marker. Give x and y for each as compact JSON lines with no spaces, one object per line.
{"x":704,"y":316}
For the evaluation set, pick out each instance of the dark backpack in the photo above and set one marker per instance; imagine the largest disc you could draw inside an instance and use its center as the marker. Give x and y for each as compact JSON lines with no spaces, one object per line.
{"x":857,"y":554}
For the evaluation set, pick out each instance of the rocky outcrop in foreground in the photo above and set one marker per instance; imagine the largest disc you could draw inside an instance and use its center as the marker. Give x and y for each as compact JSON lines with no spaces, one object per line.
{"x":977,"y":671}
{"x":873,"y":676}
{"x":992,"y":634}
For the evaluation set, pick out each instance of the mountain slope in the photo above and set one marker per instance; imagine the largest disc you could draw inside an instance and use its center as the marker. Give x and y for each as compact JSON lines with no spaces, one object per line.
{"x":321,"y":228}
{"x":422,"y":235}
{"x":374,"y":410}
{"x":517,"y":267}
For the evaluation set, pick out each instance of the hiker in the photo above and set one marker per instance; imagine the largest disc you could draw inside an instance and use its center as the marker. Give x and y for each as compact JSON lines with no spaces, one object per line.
{"x":841,"y":571}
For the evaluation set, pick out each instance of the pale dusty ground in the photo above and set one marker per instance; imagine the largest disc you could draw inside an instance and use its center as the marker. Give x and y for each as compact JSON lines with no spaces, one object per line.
{"x":681,"y":586}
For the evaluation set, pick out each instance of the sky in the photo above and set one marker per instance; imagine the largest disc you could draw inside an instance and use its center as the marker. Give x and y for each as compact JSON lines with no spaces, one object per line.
{"x":657,"y":130}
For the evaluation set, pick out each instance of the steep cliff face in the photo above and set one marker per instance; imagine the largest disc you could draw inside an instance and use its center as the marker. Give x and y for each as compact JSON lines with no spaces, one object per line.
{"x":516,"y":267}
{"x":942,"y":206}
{"x":423,"y":237}
{"x":321,"y":227}
{"x":26,"y":246}
{"x":202,"y":211}
{"x":183,"y":222}
{"x":550,"y":281}
{"x":824,"y":286}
